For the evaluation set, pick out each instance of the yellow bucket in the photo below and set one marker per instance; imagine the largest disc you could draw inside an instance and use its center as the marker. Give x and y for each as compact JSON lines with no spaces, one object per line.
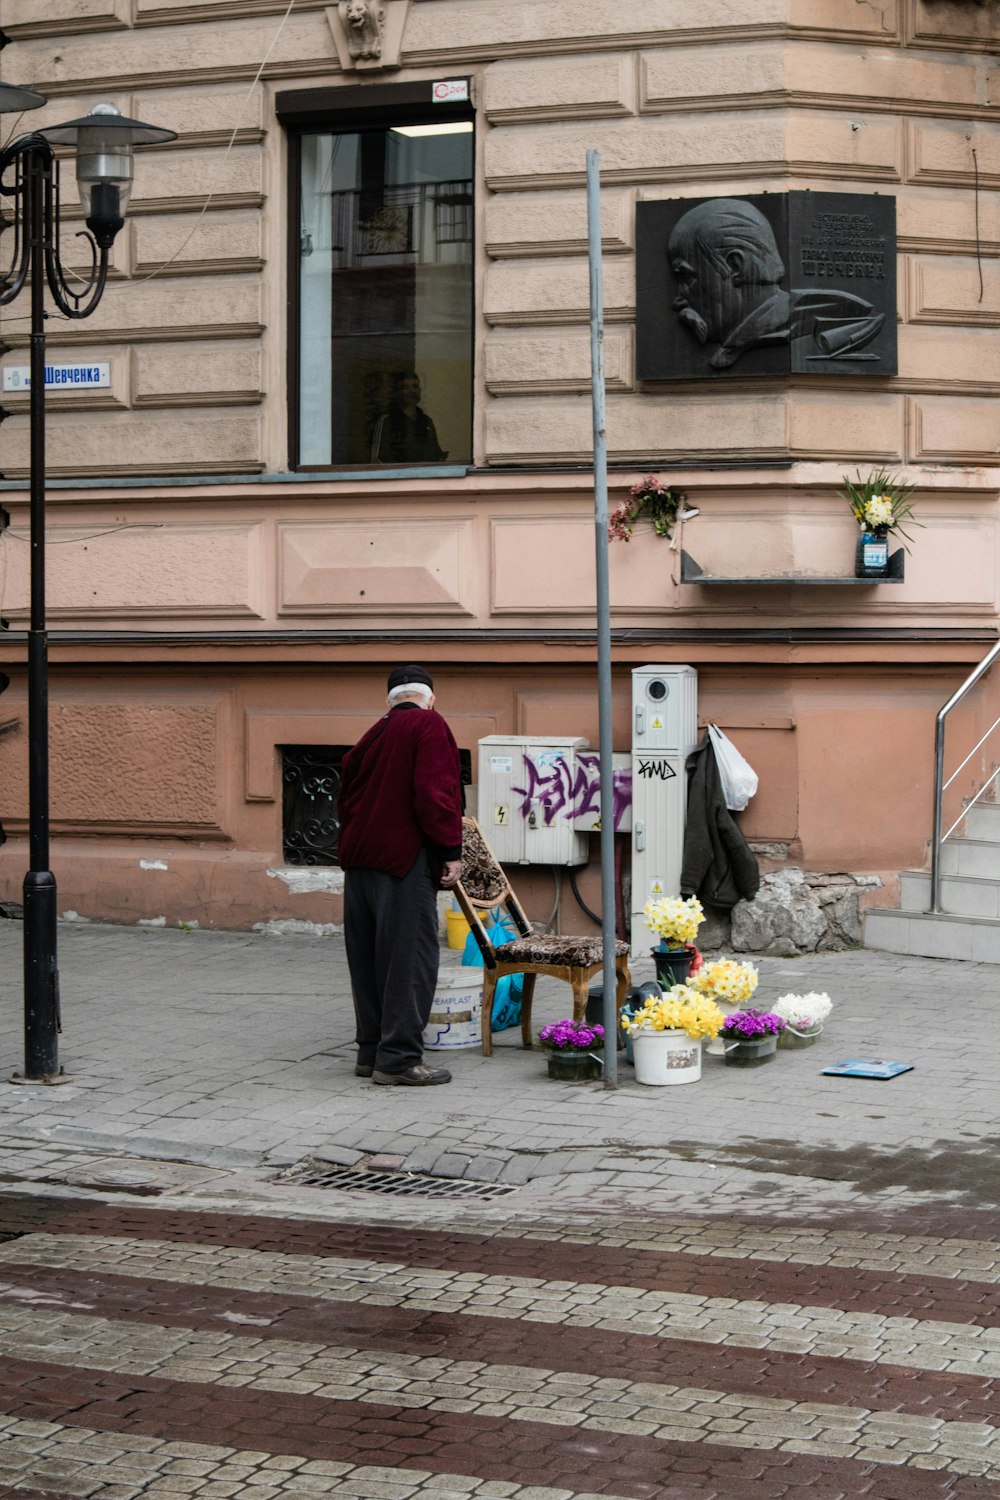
{"x":457,"y":928}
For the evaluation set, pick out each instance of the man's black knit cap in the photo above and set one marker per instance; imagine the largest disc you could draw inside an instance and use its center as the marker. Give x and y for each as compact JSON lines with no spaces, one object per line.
{"x":399,"y":675}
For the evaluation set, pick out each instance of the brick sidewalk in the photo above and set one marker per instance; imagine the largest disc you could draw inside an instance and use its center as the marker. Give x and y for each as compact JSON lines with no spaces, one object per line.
{"x":233,"y":1052}
{"x":187,"y":1354}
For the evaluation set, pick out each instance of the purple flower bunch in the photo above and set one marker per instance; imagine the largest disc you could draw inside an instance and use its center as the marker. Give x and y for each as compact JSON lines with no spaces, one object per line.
{"x":747,"y":1025}
{"x":571,"y":1036}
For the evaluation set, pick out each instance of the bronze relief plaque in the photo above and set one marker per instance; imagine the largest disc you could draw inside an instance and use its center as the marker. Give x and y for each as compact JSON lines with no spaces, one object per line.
{"x":770,"y":284}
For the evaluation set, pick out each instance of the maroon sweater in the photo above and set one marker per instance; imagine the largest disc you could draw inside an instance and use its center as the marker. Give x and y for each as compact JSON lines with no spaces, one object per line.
{"x":401,"y":789}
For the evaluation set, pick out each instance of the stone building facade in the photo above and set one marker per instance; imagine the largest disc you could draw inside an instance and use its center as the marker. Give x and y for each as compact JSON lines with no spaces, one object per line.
{"x":231,"y":575}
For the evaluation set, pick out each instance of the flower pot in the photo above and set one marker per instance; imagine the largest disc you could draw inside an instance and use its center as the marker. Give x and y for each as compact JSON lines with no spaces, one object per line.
{"x":872,"y":556}
{"x":717,"y":1047}
{"x":750,"y":1052}
{"x":574,"y":1067}
{"x":672,"y":965}
{"x":663,"y":1057}
{"x":791,"y":1038}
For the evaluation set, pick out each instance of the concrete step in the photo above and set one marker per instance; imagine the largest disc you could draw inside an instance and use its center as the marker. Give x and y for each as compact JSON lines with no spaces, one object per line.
{"x":967,"y":856}
{"x":961,"y":895}
{"x":982,"y":821}
{"x":938,"y":936}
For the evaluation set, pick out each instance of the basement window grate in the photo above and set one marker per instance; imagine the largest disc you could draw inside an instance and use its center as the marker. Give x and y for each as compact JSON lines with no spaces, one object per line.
{"x":321,"y":1174}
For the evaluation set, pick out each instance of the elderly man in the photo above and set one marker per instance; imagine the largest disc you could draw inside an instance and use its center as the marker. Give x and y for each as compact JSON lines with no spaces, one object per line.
{"x":727,"y":268}
{"x":400,"y":841}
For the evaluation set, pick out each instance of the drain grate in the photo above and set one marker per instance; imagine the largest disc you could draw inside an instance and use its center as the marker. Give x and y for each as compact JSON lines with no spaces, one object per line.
{"x":312,"y":1173}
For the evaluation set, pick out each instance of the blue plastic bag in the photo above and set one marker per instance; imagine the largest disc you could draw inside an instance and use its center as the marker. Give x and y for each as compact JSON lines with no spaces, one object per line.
{"x":507,"y":995}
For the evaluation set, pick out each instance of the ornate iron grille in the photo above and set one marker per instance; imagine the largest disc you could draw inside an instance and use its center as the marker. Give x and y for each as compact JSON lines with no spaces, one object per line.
{"x":311,"y":788}
{"x":310,"y":792}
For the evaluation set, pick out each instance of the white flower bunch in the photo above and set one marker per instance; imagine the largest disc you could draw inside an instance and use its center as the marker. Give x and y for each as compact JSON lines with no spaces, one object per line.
{"x":727,"y":981}
{"x":803,"y":1011}
{"x":879,"y":512}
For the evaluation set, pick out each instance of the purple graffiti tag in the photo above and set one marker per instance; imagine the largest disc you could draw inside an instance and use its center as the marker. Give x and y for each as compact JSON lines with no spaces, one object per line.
{"x":555,"y":792}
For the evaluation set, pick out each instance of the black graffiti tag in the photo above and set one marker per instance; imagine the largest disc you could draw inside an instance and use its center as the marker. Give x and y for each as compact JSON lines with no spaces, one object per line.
{"x":656,"y":770}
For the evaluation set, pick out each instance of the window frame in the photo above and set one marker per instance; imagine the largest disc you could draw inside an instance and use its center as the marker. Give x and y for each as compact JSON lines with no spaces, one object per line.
{"x":355,"y":109}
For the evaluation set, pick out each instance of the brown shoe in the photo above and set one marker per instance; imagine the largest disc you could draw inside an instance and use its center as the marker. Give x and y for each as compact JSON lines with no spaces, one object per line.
{"x":419,"y":1076}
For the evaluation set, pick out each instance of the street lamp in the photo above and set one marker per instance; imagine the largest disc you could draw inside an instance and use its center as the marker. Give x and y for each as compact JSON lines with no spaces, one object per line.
{"x":104,"y":140}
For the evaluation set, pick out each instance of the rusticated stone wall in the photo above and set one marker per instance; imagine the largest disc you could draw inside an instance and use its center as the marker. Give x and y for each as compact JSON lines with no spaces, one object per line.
{"x":228,"y":613}
{"x":731,"y":96}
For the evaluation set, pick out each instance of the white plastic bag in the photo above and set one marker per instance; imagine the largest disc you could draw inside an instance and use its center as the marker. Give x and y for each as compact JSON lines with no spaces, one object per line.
{"x":738,"y":777}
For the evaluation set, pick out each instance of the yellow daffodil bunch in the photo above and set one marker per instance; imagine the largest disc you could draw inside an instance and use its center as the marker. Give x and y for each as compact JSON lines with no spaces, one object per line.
{"x":674,"y":920}
{"x":726,"y":980}
{"x":680,"y":1009}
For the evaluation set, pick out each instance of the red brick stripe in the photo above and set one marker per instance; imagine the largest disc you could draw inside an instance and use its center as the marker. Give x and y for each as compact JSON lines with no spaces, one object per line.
{"x":887,"y":1293}
{"x":532,"y":1453}
{"x":466,"y":1336}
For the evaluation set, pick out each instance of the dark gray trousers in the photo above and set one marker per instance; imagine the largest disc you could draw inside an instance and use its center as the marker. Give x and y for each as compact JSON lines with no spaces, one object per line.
{"x":391,"y":927}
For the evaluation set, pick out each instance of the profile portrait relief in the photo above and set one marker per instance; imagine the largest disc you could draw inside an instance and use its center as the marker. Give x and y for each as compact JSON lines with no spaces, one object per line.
{"x":714,"y":295}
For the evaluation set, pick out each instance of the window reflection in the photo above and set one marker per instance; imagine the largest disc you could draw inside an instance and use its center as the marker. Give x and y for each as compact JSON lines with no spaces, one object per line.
{"x":385,"y":323}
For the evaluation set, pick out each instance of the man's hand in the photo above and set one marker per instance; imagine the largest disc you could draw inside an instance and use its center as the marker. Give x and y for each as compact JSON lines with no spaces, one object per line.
{"x":451,"y":874}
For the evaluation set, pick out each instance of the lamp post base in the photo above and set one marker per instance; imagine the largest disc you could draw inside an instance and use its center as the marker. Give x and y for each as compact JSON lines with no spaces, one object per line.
{"x":41,"y":978}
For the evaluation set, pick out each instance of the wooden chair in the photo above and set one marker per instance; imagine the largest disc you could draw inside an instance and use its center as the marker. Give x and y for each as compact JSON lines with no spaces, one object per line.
{"x":483,"y":887}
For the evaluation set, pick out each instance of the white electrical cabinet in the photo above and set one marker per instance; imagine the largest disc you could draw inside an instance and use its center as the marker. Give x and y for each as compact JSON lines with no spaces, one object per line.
{"x":529,"y":789}
{"x":664,"y":732}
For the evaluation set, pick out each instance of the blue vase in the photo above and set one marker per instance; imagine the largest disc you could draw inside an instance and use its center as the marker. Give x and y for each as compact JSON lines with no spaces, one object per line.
{"x":872,"y":556}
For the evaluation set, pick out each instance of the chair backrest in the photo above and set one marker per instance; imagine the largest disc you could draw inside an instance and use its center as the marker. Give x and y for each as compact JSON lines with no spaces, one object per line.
{"x":484,"y":887}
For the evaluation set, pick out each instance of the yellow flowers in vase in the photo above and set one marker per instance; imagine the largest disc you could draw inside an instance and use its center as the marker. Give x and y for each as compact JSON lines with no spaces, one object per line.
{"x":682,"y":1008}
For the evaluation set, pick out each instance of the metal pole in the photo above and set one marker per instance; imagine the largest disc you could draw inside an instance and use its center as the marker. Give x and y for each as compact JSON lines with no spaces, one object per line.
{"x":41,"y":976}
{"x":938,"y":806}
{"x":603,"y":617}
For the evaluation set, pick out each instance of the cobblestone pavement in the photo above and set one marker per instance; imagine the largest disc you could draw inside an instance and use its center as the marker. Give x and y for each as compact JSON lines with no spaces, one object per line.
{"x":207,"y":1061}
{"x":161,"y":1351}
{"x":770,"y":1285}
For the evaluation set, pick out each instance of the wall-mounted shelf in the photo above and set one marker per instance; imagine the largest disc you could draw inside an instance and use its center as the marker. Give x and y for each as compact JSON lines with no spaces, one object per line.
{"x":692,"y":573}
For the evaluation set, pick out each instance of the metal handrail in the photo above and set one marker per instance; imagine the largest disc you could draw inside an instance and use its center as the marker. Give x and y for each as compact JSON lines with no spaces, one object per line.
{"x":940,"y":785}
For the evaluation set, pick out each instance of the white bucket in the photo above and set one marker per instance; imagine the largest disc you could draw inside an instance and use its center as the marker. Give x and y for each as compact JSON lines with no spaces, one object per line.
{"x":666,"y":1057}
{"x":454,"y":1020}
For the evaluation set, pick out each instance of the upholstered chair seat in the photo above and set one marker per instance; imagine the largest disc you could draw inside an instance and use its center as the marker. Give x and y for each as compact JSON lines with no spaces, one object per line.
{"x":484,"y":887}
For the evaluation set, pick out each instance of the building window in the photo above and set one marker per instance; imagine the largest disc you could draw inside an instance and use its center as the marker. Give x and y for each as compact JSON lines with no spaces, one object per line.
{"x":383,"y":267}
{"x":310,"y":776}
{"x":310,"y":792}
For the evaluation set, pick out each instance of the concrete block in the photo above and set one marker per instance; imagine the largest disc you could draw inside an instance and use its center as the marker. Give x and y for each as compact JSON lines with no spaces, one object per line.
{"x":389,"y":566}
{"x":646,"y":150}
{"x":124,"y":443}
{"x":581,"y":87}
{"x":943,"y":355}
{"x":940,"y":428}
{"x":522,"y":25}
{"x":946,"y":289}
{"x":178,"y":54}
{"x":38,"y":17}
{"x":531,"y":224}
{"x":197,"y":374}
{"x":182,"y":244}
{"x":657,"y":430}
{"x":940,"y":151}
{"x":171,"y":572}
{"x":817,"y":422}
{"x":555,"y":291}
{"x":556,"y":362}
{"x":951,"y":23}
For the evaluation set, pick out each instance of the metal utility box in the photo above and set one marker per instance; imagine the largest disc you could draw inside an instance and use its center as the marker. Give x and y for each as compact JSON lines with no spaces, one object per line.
{"x":664,"y":732}
{"x":529,"y":789}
